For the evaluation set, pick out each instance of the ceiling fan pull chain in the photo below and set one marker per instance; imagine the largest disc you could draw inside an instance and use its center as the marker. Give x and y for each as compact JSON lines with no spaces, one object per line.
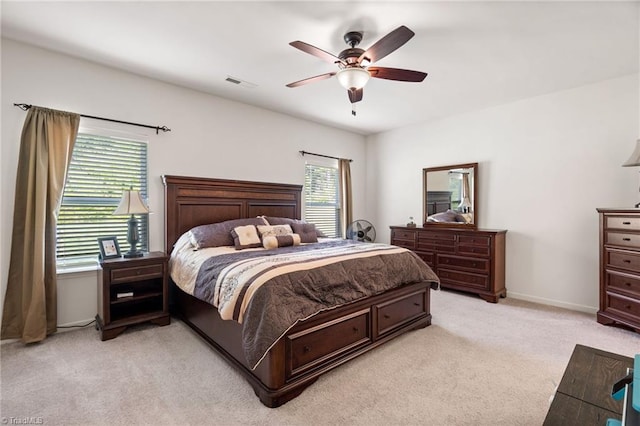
{"x":353,"y":109}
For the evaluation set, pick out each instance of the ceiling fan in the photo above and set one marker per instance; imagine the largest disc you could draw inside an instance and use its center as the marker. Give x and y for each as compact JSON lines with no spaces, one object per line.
{"x":353,"y":62}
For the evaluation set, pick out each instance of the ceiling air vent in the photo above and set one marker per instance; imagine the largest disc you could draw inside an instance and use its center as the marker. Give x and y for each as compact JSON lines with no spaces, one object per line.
{"x":240,"y":82}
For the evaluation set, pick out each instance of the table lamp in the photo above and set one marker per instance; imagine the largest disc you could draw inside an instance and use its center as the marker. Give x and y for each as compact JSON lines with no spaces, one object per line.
{"x":132,"y":204}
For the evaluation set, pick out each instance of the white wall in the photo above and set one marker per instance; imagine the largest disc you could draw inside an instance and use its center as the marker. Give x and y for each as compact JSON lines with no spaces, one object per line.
{"x":210,"y":137}
{"x":545,"y":165}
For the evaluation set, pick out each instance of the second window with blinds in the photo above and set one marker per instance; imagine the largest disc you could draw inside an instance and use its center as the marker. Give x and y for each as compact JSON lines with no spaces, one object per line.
{"x":321,"y":198}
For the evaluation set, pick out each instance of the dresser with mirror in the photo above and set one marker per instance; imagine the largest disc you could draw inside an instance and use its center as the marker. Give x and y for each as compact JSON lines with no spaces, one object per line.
{"x":465,"y":257}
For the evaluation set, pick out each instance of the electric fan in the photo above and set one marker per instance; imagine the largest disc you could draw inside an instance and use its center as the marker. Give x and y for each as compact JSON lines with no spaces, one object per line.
{"x":361,"y":230}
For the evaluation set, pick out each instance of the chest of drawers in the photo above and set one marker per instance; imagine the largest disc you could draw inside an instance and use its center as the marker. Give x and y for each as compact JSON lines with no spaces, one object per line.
{"x":620,"y":268}
{"x":464,"y":259}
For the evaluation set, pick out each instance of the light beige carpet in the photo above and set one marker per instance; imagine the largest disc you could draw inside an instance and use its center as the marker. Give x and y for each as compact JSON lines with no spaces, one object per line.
{"x":478,"y":364}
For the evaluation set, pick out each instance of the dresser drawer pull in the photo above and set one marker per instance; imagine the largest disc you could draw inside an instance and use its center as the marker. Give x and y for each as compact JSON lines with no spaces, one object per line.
{"x":386,"y":316}
{"x":627,"y":307}
{"x":626,"y":223}
{"x":626,"y":260}
{"x":356,"y":329}
{"x":626,"y":239}
{"x":628,"y":284}
{"x":416,"y":304}
{"x":306,"y":349}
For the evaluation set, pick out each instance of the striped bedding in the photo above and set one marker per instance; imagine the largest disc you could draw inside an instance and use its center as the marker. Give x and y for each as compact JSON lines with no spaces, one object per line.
{"x":269,"y":291}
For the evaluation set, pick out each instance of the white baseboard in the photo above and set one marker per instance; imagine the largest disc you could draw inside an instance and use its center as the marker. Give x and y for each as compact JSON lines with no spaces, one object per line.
{"x":75,"y":325}
{"x":551,"y":302}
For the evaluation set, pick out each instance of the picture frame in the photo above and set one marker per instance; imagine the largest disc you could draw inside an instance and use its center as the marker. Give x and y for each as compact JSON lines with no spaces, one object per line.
{"x":109,"y":248}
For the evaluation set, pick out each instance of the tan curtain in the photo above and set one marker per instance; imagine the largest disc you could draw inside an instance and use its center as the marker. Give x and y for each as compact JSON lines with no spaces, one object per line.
{"x":30,"y":304}
{"x":346,"y":204}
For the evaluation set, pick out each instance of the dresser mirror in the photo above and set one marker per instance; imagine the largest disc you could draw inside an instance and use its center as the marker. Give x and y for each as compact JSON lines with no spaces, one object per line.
{"x":450,"y":195}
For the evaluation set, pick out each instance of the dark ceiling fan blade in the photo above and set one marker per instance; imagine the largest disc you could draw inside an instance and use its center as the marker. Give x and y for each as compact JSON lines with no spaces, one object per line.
{"x":387,"y":44}
{"x":355,"y":95}
{"x":397,"y":74}
{"x":311,"y":79}
{"x":319,"y":53}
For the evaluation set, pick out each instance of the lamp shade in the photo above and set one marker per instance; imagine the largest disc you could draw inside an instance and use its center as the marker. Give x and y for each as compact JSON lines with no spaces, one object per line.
{"x":353,"y":78}
{"x":131,"y":203}
{"x":634,"y":160}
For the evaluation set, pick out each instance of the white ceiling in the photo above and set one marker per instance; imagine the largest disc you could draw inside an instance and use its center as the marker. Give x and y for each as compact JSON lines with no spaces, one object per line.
{"x":477,"y":54}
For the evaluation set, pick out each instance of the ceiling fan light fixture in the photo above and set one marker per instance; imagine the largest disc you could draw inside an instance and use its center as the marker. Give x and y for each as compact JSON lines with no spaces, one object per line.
{"x":353,"y":78}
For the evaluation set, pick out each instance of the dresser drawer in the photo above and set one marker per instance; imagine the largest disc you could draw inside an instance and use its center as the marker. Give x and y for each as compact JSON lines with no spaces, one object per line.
{"x":622,"y":222}
{"x":436,"y":245}
{"x":397,"y":312}
{"x":622,"y":239}
{"x":436,"y":236}
{"x":136,"y":274}
{"x":474,"y":250}
{"x":465,"y":279}
{"x":623,"y":259}
{"x":476,"y":240}
{"x":313,"y":346}
{"x":399,"y":234}
{"x":435,"y":241}
{"x":472,"y":264}
{"x":623,"y":283}
{"x":411,"y":245}
{"x":623,"y":306}
{"x":427,"y":257}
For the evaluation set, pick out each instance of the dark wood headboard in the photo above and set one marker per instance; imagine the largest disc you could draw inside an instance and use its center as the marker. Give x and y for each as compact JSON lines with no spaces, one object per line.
{"x":193,"y":201}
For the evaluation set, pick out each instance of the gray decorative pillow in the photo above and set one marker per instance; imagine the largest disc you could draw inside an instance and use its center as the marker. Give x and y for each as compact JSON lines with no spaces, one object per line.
{"x":245,"y":237}
{"x":275,"y":241}
{"x":287,"y":221}
{"x":307,"y":232}
{"x":218,"y":234}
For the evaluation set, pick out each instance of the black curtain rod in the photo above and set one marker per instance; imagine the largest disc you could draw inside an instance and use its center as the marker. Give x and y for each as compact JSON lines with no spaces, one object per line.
{"x":325,"y":156}
{"x":25,"y":107}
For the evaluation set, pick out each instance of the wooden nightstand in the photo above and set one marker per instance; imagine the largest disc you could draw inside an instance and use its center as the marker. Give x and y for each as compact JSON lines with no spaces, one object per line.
{"x":132,"y":291}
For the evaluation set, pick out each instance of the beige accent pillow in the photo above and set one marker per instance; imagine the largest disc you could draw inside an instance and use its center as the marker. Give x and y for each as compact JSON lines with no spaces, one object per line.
{"x":274,"y":230}
{"x":245,"y":237}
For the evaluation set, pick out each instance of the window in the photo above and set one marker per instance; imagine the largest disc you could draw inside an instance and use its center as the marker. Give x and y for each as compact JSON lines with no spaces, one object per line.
{"x":321,"y":199}
{"x":101,"y":168}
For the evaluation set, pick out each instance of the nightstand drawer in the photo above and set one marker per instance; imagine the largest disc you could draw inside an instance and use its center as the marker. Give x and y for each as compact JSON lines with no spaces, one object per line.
{"x":136,"y":274}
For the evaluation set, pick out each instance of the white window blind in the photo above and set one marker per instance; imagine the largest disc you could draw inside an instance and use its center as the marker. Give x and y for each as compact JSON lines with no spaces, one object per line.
{"x":321,"y":200}
{"x":100,"y":169}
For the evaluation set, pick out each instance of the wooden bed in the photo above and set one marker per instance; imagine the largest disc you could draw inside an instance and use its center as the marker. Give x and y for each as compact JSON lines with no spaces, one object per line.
{"x":312,"y":347}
